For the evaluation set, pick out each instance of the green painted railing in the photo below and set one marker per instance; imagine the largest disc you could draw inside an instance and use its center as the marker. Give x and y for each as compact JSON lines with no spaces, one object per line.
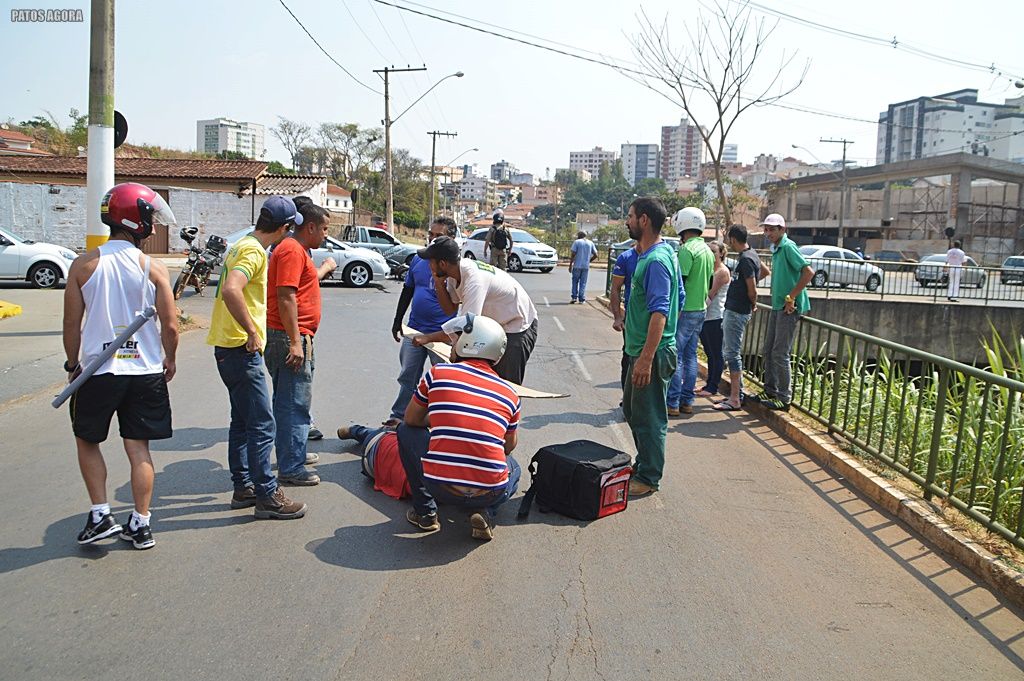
{"x":953,"y":429}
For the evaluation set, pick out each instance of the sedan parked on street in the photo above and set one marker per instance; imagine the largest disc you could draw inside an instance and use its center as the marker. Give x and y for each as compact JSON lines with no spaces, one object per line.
{"x":834,"y":265}
{"x":1012,"y":271}
{"x":356,"y":266}
{"x":895,"y":261}
{"x":41,"y":264}
{"x":527,"y":252}
{"x":933,"y":271}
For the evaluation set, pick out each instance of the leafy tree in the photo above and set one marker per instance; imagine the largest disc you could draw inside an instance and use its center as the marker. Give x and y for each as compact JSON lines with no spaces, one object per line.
{"x":278,"y":168}
{"x":232,"y":155}
{"x":649,"y":186}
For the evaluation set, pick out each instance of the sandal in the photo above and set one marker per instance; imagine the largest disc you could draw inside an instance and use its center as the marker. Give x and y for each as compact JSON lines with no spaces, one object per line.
{"x":704,"y":393}
{"x":725,"y":405}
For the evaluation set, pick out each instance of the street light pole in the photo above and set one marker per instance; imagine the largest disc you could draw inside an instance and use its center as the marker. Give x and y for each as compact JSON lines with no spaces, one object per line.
{"x":389,"y":211}
{"x":388,"y":122}
{"x":842,"y":194}
{"x":433,"y":167}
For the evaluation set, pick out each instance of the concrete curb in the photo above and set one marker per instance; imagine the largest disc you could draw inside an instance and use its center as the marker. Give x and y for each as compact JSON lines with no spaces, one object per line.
{"x":912,"y":511}
{"x":9,"y":309}
{"x":915,"y":512}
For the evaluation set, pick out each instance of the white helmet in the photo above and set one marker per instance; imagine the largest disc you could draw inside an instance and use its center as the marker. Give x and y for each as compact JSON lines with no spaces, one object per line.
{"x":481,"y":338}
{"x":689,"y":218}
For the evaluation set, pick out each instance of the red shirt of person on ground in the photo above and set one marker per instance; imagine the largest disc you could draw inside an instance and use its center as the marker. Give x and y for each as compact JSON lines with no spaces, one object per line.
{"x":292,"y":266}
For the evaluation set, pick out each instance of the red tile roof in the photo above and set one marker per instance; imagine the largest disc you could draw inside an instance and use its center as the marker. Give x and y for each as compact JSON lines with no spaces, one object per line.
{"x":286,"y":185}
{"x":15,"y":136}
{"x":195,"y":169}
{"x":335,"y":190}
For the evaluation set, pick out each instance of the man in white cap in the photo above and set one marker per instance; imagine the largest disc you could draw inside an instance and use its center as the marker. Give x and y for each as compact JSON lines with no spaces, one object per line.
{"x":790,"y":276}
{"x":498,"y":241}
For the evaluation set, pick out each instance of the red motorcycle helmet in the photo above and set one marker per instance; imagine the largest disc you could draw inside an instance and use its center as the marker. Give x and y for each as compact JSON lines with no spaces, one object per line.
{"x":135,"y":208}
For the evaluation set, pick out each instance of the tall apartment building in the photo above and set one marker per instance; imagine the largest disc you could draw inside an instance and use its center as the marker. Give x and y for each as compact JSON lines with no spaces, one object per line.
{"x":681,"y":152}
{"x":731,"y":153}
{"x":483,"y":190}
{"x":224,"y":134}
{"x":502,"y":171}
{"x":950,"y":123}
{"x":590,"y":160}
{"x":639,"y":162}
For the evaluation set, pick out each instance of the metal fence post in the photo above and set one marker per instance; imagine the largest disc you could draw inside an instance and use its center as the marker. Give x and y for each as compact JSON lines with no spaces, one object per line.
{"x":937,"y":423}
{"x":608,"y":275}
{"x":837,"y":379}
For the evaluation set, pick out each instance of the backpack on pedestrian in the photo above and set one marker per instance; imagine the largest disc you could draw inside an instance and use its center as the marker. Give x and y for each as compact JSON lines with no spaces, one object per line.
{"x":580,"y":479}
{"x":500,"y":239}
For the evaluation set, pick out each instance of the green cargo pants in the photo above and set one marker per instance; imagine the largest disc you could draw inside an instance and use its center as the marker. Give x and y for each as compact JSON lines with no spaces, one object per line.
{"x":647,"y":415}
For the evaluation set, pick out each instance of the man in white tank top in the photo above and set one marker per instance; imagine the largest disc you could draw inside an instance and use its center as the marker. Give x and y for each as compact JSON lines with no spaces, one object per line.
{"x":108,"y":287}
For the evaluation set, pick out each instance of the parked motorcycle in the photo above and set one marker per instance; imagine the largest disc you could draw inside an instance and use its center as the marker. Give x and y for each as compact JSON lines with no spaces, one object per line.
{"x":398,"y":269}
{"x":202,"y":261}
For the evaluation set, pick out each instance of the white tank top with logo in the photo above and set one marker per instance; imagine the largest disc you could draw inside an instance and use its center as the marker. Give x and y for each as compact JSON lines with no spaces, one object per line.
{"x":114,"y":296}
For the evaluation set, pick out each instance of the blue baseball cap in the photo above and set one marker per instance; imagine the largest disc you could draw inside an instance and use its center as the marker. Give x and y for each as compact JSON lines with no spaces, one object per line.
{"x":281,"y":209}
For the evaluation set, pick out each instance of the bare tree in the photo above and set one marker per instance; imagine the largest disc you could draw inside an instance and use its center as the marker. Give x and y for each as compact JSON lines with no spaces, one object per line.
{"x":293,"y":135}
{"x":717,"y":65}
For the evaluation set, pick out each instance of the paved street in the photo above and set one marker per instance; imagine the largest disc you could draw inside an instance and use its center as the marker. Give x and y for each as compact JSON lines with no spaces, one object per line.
{"x":752,"y":562}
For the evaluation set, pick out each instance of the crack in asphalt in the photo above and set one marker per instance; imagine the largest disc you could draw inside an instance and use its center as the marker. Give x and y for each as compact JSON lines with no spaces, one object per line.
{"x":583,"y":636}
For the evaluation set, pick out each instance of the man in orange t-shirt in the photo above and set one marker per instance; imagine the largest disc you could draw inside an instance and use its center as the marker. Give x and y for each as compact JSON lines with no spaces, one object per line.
{"x":293,"y":315}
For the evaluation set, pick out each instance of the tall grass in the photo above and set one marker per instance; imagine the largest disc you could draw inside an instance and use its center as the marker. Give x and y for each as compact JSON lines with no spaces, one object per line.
{"x":888,"y":405}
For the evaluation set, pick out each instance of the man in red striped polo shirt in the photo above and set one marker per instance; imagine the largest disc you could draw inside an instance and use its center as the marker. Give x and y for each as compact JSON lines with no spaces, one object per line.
{"x":460,"y":429}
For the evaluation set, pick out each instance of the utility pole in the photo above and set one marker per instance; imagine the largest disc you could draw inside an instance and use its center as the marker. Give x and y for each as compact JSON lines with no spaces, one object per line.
{"x":389,"y":214}
{"x":100,"y":161}
{"x":433,"y":160}
{"x":842,"y":195}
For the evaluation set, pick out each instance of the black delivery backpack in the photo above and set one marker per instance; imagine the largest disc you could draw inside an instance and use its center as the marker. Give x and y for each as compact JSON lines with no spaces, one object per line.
{"x":580,"y":479}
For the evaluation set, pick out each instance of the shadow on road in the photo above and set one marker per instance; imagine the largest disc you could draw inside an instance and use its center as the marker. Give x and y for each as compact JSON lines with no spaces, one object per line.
{"x":598,"y":420}
{"x":190,"y":439}
{"x":951,"y":584}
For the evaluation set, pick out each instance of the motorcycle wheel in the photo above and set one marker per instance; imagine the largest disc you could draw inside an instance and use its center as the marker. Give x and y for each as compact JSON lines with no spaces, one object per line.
{"x":180,"y":283}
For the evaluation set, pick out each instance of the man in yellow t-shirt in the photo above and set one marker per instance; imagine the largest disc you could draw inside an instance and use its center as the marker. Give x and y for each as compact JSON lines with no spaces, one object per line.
{"x":238,"y":332}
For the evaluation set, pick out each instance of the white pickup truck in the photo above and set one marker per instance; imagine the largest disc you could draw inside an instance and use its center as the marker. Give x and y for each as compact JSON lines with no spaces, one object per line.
{"x":381,"y":241}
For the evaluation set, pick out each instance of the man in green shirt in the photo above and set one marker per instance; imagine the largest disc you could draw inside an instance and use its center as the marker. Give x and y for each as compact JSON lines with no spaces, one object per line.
{"x":790,"y":276}
{"x":651,"y":316}
{"x":696,"y":263}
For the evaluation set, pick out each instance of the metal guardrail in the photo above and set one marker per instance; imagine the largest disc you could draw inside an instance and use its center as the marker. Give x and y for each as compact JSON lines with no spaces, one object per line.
{"x":921,"y":281}
{"x":953,"y":429}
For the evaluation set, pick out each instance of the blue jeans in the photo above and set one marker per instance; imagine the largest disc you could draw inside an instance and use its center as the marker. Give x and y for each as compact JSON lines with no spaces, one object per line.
{"x":733,"y":326}
{"x":412,"y":445}
{"x":251,"y":434}
{"x":412,"y":359}
{"x":684,"y":380}
{"x":579,"y":283}
{"x":363,"y":435}
{"x":293,"y":395}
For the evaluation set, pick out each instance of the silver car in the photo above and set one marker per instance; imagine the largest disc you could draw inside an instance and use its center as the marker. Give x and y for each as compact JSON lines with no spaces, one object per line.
{"x":527,"y":251}
{"x":933,"y":271}
{"x":834,"y":265}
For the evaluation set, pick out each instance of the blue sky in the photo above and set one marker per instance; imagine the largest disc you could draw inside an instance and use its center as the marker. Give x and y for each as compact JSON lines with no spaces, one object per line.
{"x":177,"y":62}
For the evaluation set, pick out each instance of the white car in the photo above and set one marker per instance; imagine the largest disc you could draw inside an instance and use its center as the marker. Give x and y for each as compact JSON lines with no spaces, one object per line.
{"x":834,"y":265}
{"x":356,"y":266}
{"x":44,"y":265}
{"x":527,"y":252}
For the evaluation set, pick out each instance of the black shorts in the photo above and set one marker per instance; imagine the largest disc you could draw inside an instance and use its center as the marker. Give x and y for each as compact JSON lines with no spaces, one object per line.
{"x":141,"y":402}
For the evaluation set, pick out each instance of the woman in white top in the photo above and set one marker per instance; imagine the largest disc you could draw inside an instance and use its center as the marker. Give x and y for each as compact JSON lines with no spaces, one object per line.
{"x":711,"y":331}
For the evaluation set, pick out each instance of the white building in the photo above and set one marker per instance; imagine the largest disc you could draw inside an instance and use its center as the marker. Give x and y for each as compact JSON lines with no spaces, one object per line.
{"x":950,"y":123}
{"x":338,"y":200}
{"x":639,"y":162}
{"x":482,"y":190}
{"x":224,"y":134}
{"x":731,"y":153}
{"x":523,"y":178}
{"x":681,"y":151}
{"x":502,"y":171}
{"x":590,"y":160}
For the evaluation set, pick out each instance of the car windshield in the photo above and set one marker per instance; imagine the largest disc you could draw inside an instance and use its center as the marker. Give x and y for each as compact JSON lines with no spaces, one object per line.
{"x":15,"y":238}
{"x":1014,"y":262}
{"x":935,"y":258}
{"x":521,"y":237}
{"x":808,"y":250}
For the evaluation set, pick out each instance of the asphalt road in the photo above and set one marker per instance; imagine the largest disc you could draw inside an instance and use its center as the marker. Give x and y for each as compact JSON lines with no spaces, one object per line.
{"x":752,"y":562}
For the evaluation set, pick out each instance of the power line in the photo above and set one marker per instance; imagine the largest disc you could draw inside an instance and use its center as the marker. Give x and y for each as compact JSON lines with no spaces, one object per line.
{"x":893,"y":42}
{"x":328,"y":54}
{"x":636,"y":72}
{"x":360,"y":27}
